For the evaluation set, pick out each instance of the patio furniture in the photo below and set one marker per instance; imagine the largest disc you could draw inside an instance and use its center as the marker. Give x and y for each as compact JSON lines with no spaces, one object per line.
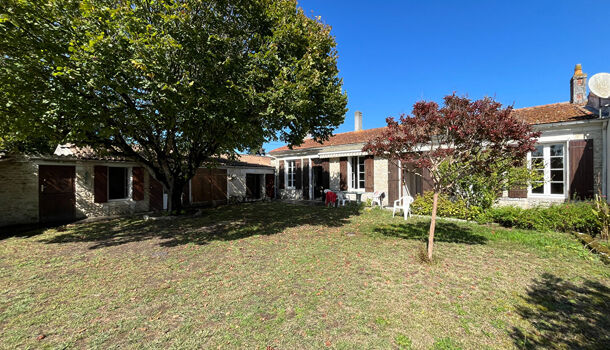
{"x":341,"y":198}
{"x":330,"y":197}
{"x":406,"y":205}
{"x":377,"y":198}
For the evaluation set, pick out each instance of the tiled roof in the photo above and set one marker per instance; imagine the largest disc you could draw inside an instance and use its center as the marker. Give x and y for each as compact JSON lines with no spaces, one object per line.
{"x":553,"y":113}
{"x":84,"y":153}
{"x":87,"y":153}
{"x":344,"y":138}
{"x":544,"y":114}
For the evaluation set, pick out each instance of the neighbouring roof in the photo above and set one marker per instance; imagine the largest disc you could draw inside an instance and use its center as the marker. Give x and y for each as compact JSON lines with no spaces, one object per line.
{"x":553,"y":113}
{"x":70,"y":151}
{"x":544,"y":114}
{"x":344,"y":138}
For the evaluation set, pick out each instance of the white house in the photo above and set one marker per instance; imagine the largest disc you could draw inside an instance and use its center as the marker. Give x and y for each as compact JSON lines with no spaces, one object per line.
{"x":572,"y":149}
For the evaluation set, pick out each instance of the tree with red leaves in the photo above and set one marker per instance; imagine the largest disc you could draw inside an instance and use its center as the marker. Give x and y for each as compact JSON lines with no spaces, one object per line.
{"x":462,"y":137}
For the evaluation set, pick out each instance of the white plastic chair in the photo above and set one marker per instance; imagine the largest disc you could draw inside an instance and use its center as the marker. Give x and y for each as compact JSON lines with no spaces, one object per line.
{"x":406,"y":205}
{"x":377,"y":198}
{"x":341,"y":198}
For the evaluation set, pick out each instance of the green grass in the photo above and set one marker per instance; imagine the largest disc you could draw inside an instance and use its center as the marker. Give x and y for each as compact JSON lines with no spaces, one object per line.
{"x":281,"y":276}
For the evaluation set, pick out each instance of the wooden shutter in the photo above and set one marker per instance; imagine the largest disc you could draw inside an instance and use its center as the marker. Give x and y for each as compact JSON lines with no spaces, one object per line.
{"x":305,"y":179}
{"x":297,"y":174}
{"x":343,"y":173}
{"x":270,"y":185}
{"x":426,"y":181}
{"x":281,"y":175}
{"x":100,"y":184}
{"x":369,"y":174}
{"x":393,"y":181}
{"x":137,"y":179}
{"x":581,"y":169}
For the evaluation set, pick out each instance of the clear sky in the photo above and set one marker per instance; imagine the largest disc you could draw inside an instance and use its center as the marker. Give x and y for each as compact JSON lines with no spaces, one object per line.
{"x":393,"y":53}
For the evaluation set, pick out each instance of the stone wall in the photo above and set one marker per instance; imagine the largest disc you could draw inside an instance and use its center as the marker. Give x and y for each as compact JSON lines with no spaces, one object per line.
{"x":18,"y":192}
{"x":85,"y":203}
{"x":381,"y":177}
{"x":334,"y":166}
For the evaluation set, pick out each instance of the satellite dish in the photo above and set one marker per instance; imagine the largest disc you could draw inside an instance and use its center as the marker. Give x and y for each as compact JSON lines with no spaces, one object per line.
{"x":599,"y":84}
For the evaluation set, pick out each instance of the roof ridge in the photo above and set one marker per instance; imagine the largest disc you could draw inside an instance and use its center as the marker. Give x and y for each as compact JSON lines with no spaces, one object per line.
{"x":545,"y":105}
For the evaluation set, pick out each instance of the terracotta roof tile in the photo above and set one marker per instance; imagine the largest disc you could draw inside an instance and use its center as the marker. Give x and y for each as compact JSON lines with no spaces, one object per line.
{"x":544,"y":114}
{"x":344,"y":138}
{"x":553,"y":113}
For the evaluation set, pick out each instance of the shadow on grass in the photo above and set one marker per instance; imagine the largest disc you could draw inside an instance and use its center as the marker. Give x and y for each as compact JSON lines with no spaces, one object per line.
{"x":444,"y":232}
{"x":30,"y":230}
{"x":564,"y":315}
{"x":220,"y":224}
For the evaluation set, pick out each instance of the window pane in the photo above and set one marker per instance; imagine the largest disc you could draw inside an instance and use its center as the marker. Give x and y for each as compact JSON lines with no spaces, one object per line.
{"x":556,"y":175}
{"x":556,"y":187}
{"x":556,"y":163}
{"x":556,"y":150}
{"x":537,"y":163}
{"x":117,"y":183}
{"x":538,"y":151}
{"x":538,"y":187}
{"x":361,"y":184}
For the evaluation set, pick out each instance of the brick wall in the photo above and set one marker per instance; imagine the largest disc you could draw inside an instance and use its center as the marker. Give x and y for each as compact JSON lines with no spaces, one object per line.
{"x":18,"y":192}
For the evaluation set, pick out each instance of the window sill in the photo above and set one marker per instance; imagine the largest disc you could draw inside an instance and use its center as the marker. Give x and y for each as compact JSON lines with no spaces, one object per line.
{"x":546,"y":196}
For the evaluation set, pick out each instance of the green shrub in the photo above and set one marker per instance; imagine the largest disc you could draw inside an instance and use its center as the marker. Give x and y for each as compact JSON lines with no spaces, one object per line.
{"x":446,"y":207}
{"x":565,"y":217}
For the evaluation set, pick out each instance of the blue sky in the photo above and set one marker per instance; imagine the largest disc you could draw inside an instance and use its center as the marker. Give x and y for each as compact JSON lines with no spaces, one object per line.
{"x":394,"y":53}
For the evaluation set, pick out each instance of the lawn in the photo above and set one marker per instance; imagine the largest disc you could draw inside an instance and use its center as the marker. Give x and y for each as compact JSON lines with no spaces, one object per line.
{"x":284,"y":276}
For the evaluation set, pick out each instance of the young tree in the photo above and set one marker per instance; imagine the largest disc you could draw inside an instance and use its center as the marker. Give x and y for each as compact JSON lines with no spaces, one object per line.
{"x":170,"y":84}
{"x":461,"y":138}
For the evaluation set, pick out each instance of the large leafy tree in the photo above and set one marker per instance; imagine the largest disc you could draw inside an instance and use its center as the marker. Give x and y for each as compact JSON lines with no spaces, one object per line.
{"x":170,"y":84}
{"x":454,"y":141}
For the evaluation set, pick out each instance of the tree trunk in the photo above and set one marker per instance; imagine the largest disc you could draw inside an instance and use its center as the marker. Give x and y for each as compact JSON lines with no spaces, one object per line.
{"x":432,"y":225}
{"x":174,"y":205}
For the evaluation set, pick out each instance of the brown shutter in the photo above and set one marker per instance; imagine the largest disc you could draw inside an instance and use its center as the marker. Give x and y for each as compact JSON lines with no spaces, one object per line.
{"x":281,"y":175}
{"x":100,"y":184}
{"x":581,"y":169}
{"x":270,"y":185}
{"x":137,"y":193}
{"x":343,"y":173}
{"x":369,"y":171}
{"x":427,"y":184}
{"x":393,"y":181}
{"x":297,"y":174}
{"x":305,"y":179}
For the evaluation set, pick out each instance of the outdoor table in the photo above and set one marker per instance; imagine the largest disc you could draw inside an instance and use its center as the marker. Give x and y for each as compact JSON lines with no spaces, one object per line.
{"x":358,"y":195}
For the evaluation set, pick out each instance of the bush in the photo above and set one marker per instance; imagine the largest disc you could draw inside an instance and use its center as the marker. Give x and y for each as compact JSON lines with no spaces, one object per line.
{"x":446,"y":207}
{"x":567,"y":217}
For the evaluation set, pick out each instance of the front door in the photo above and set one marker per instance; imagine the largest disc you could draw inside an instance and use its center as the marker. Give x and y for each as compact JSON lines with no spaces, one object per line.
{"x":57,"y":193}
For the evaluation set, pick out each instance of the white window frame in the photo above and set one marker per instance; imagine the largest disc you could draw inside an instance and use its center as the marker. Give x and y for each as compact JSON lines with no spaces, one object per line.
{"x":290,"y":176}
{"x":129,"y":174}
{"x":360,"y":175}
{"x":546,"y":153}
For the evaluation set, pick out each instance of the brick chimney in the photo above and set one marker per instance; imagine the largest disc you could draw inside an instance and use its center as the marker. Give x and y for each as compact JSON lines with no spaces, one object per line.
{"x":578,"y":86}
{"x":357,"y":121}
